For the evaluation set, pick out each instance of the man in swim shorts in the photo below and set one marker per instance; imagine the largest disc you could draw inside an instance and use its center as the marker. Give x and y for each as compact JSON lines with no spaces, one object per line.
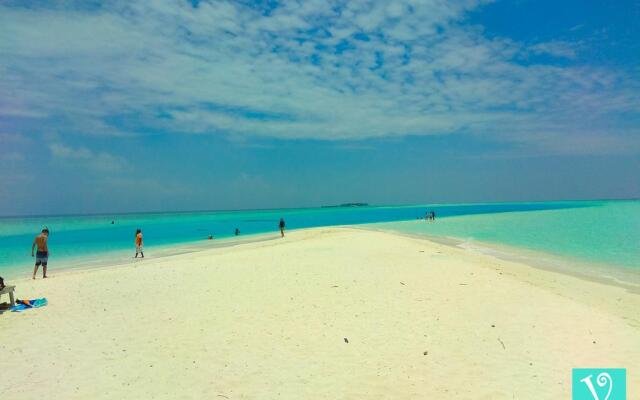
{"x":42,"y":255}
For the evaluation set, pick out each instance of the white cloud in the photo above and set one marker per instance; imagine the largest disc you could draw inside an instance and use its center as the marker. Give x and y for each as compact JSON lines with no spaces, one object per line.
{"x":333,"y":70}
{"x":557,"y":48}
{"x":97,"y":161}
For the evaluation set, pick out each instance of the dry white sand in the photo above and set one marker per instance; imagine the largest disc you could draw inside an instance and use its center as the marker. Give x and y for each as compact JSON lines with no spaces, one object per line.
{"x":269,"y":320}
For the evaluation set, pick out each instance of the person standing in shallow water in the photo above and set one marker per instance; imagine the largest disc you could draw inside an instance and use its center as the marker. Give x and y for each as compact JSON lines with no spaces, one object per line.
{"x":282,"y":226}
{"x":139,"y":244}
{"x":42,"y":255}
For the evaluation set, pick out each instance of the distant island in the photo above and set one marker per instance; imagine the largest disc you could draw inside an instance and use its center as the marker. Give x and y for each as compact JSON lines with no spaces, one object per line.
{"x":348,"y":205}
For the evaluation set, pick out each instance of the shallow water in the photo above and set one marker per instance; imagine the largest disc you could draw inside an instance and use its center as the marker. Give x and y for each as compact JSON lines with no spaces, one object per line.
{"x":605,"y":232}
{"x":602,"y":230}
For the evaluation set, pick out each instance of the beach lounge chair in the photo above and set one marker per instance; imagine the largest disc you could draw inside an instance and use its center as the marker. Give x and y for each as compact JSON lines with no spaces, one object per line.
{"x":9,"y":290}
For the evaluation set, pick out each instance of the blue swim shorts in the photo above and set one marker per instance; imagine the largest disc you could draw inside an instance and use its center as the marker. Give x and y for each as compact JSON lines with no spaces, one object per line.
{"x":42,"y":257}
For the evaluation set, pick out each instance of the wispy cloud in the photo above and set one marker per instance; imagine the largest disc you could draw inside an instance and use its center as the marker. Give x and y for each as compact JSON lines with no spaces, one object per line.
{"x":97,"y":161}
{"x":557,"y":48}
{"x":9,"y":138}
{"x":315,"y":69}
{"x":12,"y":156}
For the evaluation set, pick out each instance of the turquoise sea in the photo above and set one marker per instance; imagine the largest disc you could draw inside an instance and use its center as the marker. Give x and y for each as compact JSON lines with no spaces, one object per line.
{"x":602,"y":232}
{"x":593,"y":231}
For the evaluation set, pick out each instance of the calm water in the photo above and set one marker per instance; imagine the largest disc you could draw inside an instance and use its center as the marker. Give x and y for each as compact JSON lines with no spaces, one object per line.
{"x":606,"y":230}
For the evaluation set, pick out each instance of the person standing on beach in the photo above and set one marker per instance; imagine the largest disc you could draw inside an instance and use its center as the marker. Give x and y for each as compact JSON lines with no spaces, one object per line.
{"x":139,"y":244}
{"x":282,"y":226}
{"x":42,"y":255}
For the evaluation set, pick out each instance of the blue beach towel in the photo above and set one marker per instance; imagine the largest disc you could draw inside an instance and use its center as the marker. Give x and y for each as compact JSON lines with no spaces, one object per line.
{"x":35,"y":303}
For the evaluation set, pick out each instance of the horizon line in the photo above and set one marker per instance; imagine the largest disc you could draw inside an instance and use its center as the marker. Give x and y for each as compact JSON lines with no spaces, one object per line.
{"x":97,"y":214}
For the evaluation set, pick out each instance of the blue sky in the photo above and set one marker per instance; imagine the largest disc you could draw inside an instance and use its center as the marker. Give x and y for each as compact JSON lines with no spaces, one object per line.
{"x":178,"y":105}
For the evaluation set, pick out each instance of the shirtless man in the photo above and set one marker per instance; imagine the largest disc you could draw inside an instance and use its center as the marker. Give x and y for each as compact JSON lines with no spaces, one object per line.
{"x":42,"y":255}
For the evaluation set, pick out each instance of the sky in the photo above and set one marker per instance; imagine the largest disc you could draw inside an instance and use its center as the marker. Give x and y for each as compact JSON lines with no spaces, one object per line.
{"x":201,"y":105}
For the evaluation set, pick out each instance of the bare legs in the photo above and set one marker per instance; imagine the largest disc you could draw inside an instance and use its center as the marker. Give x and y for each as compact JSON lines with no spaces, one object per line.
{"x":44,"y":271}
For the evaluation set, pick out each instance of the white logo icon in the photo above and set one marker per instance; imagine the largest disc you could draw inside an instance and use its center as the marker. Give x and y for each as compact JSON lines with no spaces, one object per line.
{"x":602,"y":380}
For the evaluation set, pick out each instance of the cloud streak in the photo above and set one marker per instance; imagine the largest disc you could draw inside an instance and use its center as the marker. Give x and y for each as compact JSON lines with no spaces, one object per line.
{"x":556,"y":48}
{"x":96,"y":161}
{"x":329,"y":70}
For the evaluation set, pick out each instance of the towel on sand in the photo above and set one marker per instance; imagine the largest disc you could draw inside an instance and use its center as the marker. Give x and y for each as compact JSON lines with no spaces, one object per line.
{"x":33,"y":303}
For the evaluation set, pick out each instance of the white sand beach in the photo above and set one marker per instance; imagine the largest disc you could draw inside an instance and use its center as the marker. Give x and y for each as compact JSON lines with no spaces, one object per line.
{"x":325,"y":313}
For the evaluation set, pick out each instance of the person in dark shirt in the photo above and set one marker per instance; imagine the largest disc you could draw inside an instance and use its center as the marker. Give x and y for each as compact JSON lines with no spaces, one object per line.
{"x":282,"y":226}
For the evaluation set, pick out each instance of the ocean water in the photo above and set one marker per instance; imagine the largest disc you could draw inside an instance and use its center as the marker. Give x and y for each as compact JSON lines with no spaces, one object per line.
{"x":602,"y":230}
